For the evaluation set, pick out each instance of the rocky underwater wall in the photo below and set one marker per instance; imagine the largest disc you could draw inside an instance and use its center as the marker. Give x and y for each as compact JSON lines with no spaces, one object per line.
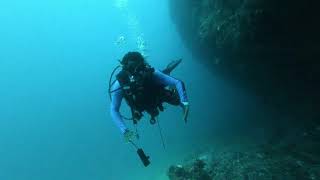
{"x":245,"y":31}
{"x":271,"y":47}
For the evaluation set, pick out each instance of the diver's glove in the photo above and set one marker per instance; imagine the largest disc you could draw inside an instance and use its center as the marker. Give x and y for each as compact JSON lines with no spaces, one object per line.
{"x":185,"y":108}
{"x":129,"y":136}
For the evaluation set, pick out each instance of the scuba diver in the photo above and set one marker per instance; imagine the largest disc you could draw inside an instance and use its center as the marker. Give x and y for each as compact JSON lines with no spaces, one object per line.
{"x":145,"y":89}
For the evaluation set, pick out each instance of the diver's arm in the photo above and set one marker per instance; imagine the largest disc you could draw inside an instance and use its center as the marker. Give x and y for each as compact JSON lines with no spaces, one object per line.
{"x":167,"y":80}
{"x":116,"y":99}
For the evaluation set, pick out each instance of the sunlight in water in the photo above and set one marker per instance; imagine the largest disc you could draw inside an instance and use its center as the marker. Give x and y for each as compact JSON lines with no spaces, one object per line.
{"x":121,"y":4}
{"x":135,"y":34}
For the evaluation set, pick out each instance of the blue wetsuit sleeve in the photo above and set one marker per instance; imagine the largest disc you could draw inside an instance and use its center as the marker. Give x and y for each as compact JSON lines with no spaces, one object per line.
{"x":167,"y":80}
{"x":116,"y":98}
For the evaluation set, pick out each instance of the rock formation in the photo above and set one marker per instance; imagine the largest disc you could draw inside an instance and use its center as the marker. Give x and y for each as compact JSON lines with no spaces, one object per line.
{"x":298,"y":159}
{"x":249,"y":31}
{"x":271,"y":47}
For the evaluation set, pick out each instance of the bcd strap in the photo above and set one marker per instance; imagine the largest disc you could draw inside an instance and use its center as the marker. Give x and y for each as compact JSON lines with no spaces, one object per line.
{"x":133,"y":84}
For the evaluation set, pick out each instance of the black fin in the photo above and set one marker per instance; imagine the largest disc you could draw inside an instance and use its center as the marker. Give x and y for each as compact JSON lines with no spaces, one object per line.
{"x":171,"y":66}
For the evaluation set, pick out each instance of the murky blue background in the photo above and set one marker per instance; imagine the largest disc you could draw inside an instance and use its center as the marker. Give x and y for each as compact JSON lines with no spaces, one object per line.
{"x":56,"y":57}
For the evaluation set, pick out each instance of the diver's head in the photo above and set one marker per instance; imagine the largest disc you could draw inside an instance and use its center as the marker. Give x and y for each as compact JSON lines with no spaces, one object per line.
{"x":132,"y":61}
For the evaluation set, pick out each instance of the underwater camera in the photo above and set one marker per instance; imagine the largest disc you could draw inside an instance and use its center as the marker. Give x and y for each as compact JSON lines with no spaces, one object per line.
{"x":143,"y":157}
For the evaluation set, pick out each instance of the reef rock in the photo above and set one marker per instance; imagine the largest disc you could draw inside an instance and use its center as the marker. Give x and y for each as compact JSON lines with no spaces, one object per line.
{"x":283,"y":161}
{"x":248,"y":30}
{"x":270,"y":47}
{"x":196,"y":170}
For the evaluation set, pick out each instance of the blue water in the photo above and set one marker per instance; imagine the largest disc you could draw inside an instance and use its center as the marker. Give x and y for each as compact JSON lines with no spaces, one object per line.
{"x":56,"y":57}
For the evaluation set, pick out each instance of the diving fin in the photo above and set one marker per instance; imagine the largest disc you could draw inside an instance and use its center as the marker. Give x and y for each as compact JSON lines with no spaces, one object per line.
{"x":171,"y":66}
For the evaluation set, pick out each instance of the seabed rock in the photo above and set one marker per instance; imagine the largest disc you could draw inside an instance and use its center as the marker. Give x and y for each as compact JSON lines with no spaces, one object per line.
{"x":197,"y":170}
{"x":283,"y":161}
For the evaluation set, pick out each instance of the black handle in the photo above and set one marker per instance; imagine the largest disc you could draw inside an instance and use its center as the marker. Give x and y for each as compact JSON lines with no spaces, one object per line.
{"x":143,"y":157}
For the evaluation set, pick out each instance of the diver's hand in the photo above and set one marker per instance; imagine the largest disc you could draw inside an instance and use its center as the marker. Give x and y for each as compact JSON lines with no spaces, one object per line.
{"x":185,"y":108}
{"x":129,"y":136}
